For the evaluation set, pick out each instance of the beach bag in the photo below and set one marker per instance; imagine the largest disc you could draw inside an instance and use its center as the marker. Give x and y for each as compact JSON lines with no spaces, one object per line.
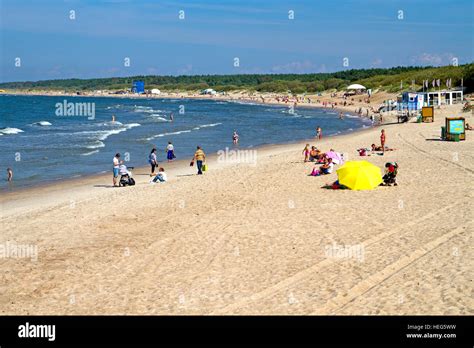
{"x":131,"y":181}
{"x":191,"y":164}
{"x":204,"y":167}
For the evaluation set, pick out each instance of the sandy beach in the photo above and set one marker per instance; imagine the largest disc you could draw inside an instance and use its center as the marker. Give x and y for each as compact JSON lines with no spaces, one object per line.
{"x":253,"y":238}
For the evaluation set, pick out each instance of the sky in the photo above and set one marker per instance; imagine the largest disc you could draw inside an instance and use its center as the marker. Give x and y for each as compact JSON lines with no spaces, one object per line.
{"x":59,"y":39}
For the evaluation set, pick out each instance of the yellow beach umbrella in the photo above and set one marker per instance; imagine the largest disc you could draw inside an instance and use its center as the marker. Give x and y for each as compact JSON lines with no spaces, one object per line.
{"x":359,"y":175}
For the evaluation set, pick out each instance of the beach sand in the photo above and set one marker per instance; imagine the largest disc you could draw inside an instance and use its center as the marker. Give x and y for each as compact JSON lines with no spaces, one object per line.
{"x":254,"y":239}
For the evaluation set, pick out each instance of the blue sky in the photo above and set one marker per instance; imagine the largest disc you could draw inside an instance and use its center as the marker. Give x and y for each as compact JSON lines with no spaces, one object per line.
{"x":105,"y":32}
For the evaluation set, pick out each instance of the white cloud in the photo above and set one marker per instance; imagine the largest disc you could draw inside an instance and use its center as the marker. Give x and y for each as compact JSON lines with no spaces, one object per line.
{"x":295,"y":67}
{"x":432,"y":59}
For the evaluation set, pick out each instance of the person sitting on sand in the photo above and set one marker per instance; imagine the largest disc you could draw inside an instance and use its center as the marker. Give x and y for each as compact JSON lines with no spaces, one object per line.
{"x":305,"y":152}
{"x":327,"y":168}
{"x":314,"y":154}
{"x":379,"y":148}
{"x":161,"y":176}
{"x":390,"y":177}
{"x":315,"y":171}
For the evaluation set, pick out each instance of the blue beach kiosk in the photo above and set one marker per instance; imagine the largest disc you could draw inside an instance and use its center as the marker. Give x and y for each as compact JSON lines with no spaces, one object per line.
{"x":138,"y":87}
{"x":412,"y":101}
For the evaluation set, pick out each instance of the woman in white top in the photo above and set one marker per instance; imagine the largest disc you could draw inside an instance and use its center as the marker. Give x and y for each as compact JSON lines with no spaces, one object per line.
{"x":170,"y":152}
{"x":117,"y":162}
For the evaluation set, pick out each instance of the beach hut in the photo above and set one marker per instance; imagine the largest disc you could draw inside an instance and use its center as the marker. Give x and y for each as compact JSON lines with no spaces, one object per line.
{"x":411,"y":101}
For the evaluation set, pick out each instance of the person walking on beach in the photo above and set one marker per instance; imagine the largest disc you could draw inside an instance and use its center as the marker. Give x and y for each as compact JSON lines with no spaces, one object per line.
{"x":9,"y":174}
{"x":235,"y":138}
{"x":382,"y":140}
{"x":200,"y":157}
{"x":170,"y":152}
{"x":153,"y":160}
{"x":319,"y":133}
{"x":117,"y":162}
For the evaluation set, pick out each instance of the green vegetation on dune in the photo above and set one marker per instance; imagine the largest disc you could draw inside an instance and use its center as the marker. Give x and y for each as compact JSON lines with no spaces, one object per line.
{"x":383,"y":79}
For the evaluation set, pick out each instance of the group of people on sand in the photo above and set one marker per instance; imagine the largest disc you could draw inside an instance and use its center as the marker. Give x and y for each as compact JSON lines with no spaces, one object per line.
{"x":199,"y":158}
{"x":160,"y":176}
{"x":324,"y":161}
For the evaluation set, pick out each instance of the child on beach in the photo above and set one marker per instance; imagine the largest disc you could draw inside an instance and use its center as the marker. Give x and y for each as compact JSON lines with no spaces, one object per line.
{"x":315,"y":171}
{"x":306,"y":153}
{"x":9,"y":174}
{"x":170,"y":152}
{"x":161,"y":176}
{"x":319,"y":133}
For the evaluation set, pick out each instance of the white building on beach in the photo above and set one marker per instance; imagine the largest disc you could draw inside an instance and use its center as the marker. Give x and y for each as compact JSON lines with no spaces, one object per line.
{"x":443,"y":97}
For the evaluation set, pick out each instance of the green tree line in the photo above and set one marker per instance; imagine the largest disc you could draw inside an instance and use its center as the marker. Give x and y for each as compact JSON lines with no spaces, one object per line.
{"x":390,"y":79}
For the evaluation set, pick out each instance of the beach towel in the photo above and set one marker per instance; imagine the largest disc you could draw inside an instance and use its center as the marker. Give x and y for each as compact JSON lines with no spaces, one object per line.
{"x":204,"y":167}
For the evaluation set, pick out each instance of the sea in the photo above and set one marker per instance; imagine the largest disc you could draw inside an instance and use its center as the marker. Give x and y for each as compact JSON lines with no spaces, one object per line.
{"x":50,"y":138}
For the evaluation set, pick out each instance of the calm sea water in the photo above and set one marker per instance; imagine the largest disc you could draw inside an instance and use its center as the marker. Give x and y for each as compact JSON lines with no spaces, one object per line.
{"x":41,"y":146}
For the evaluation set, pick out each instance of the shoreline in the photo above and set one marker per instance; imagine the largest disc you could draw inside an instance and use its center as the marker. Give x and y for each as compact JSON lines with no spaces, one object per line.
{"x":176,"y":165}
{"x":253,"y":97}
{"x":10,"y":189}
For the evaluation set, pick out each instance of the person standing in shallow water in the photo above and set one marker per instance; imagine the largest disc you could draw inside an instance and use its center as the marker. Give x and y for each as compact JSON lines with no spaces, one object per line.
{"x":9,"y":174}
{"x":319,"y":133}
{"x":235,"y":138}
{"x":200,"y":157}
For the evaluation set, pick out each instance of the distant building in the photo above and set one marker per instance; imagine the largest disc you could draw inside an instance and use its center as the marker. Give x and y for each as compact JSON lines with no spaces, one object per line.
{"x":416,"y":100}
{"x":443,"y":97}
{"x":208,"y":91}
{"x":411,"y":101}
{"x":138,"y":87}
